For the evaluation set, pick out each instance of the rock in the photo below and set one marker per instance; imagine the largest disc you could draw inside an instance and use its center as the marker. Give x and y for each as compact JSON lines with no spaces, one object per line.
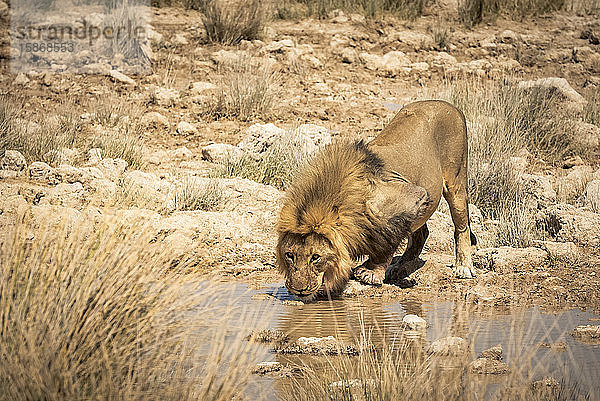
{"x":13,"y":160}
{"x":40,"y":171}
{"x":508,"y":260}
{"x":153,"y":36}
{"x":69,"y":174}
{"x":318,"y":346}
{"x":448,"y":346}
{"x":572,"y":185}
{"x":592,"y":195}
{"x":181,"y":153}
{"x":565,"y":223}
{"x":179,"y":39}
{"x":200,"y":88}
{"x":494,"y":353}
{"x":21,"y":79}
{"x":546,"y":389}
{"x":572,"y":161}
{"x":112,"y":168}
{"x":560,"y":346}
{"x":227,"y":56}
{"x":220,"y":152}
{"x":591,"y":36}
{"x":147,"y":181}
{"x":559,"y":86}
{"x":263,"y":368}
{"x":391,"y":63}
{"x":156,"y":120}
{"x":292,"y":302}
{"x":103,"y":188}
{"x":314,"y":136}
{"x":120,"y":77}
{"x":268,"y":336}
{"x":66,"y":194}
{"x":413,"y":40}
{"x":4,"y":10}
{"x":165,"y":97}
{"x":414,"y":322}
{"x":279,"y":46}
{"x":586,"y":135}
{"x":263,"y":297}
{"x":259,"y":137}
{"x":185,"y":128}
{"x":94,"y":155}
{"x":558,"y":250}
{"x":349,"y":55}
{"x":509,"y":36}
{"x":486,"y":366}
{"x":63,"y":156}
{"x":443,"y":59}
{"x":587,"y":334}
{"x":540,"y":188}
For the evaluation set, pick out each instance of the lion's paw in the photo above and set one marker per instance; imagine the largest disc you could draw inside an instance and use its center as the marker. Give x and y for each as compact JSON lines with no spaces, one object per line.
{"x":369,"y":276}
{"x":461,"y":271}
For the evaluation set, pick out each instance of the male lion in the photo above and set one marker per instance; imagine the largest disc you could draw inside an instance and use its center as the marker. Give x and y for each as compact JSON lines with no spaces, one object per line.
{"x":362,"y":199}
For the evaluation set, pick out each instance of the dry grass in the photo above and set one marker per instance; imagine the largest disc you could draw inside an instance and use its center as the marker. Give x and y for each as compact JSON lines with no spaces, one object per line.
{"x":193,"y":193}
{"x":408,"y":9}
{"x":591,"y":111}
{"x":275,"y":167}
{"x":98,"y":313}
{"x":37,"y":140}
{"x":230,"y":21}
{"x":247,"y":89}
{"x":505,"y":120}
{"x":473,"y":12}
{"x":121,"y":142}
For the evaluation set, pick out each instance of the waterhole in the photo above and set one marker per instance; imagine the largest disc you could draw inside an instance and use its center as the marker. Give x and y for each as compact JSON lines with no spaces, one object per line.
{"x":531,"y":339}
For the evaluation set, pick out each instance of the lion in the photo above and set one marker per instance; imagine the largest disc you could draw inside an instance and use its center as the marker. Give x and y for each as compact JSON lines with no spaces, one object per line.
{"x":357,"y":199}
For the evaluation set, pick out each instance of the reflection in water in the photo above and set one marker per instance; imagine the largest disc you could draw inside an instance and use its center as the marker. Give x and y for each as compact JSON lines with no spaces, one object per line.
{"x":519,"y":333}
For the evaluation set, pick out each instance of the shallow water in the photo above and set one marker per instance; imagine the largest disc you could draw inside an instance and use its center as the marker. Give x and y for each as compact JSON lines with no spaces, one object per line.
{"x":519,"y":333}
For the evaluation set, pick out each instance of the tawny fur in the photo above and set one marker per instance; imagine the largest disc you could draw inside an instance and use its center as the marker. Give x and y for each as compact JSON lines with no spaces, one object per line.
{"x":330,"y":197}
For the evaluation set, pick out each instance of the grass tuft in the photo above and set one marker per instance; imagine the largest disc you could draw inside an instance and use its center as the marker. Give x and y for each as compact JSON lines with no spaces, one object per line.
{"x":473,"y":12}
{"x":247,"y":90}
{"x":230,"y":21}
{"x":196,"y":194}
{"x":407,"y":9}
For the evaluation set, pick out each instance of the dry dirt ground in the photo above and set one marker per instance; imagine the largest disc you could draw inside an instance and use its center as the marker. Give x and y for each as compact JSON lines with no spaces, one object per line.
{"x":321,"y":79}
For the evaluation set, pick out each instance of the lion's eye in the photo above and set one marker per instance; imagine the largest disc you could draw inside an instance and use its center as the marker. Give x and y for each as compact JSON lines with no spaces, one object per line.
{"x":315,"y":258}
{"x":289,"y":256}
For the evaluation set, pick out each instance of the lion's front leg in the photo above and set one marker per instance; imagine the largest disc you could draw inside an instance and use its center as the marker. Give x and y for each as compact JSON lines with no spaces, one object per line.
{"x":372,"y":271}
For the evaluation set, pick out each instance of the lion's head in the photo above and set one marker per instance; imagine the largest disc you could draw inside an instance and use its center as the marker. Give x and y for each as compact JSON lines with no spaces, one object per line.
{"x":310,"y":263}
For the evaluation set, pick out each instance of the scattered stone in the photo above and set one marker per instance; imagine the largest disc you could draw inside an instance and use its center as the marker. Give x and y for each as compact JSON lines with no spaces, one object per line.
{"x":292,"y":302}
{"x":415,"y":41}
{"x":391,"y":63}
{"x":200,"y":88}
{"x":349,"y":55}
{"x":63,"y":156}
{"x":156,"y":120}
{"x":443,"y":59}
{"x":40,"y":171}
{"x":263,"y":368}
{"x":560,"y":346}
{"x":572,"y":185}
{"x":181,"y":153}
{"x":279,"y":46}
{"x":449,"y":346}
{"x":558,"y":250}
{"x":165,"y":97}
{"x":220,"y":152}
{"x":21,"y":79}
{"x":560,"y":86}
{"x":268,"y":336}
{"x":354,"y":288}
{"x":572,"y":162}
{"x":263,"y":297}
{"x":112,"y":168}
{"x":587,"y":334}
{"x":120,"y":77}
{"x":179,"y":39}
{"x":13,"y":160}
{"x":318,"y":346}
{"x":587,"y":136}
{"x":592,"y":195}
{"x":508,"y":260}
{"x":509,"y":36}
{"x":227,"y":56}
{"x":69,"y":174}
{"x":590,"y":36}
{"x":540,"y":188}
{"x":494,"y":353}
{"x":314,"y":136}
{"x":414,"y":322}
{"x":566,"y":223}
{"x":486,"y":366}
{"x":94,"y":155}
{"x":259,"y":137}
{"x":185,"y":128}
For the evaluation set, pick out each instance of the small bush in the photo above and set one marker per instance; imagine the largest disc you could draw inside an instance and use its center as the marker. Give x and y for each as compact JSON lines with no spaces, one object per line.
{"x":441,"y":35}
{"x":247,"y":89}
{"x":230,"y":21}
{"x":472,"y":12}
{"x":275,"y":167}
{"x":408,"y":9}
{"x":591,"y":112}
{"x":121,"y":142}
{"x":193,"y":194}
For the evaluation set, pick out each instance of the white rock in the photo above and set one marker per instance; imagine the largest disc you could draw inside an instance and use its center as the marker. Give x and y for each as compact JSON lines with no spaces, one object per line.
{"x":414,"y":322}
{"x":568,"y":223}
{"x":279,"y":46}
{"x":179,"y":39}
{"x":449,"y":346}
{"x":13,"y":160}
{"x":94,"y":155}
{"x":560,"y":86}
{"x":120,"y":77}
{"x":540,"y":188}
{"x":40,"y":171}
{"x":154,"y":119}
{"x":165,"y":97}
{"x":508,"y":260}
{"x":181,"y":153}
{"x":199,"y":88}
{"x":559,"y":250}
{"x":185,"y":128}
{"x":259,"y":137}
{"x":112,"y":168}
{"x":592,"y":195}
{"x":21,"y":79}
{"x":219,"y":152}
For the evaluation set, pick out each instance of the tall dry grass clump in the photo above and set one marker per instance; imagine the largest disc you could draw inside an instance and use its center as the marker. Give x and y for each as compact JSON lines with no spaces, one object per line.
{"x":503,"y":121}
{"x":97,"y":312}
{"x":193,"y":193}
{"x":247,"y":89}
{"x":473,"y":12}
{"x":230,"y":21}
{"x":408,"y":9}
